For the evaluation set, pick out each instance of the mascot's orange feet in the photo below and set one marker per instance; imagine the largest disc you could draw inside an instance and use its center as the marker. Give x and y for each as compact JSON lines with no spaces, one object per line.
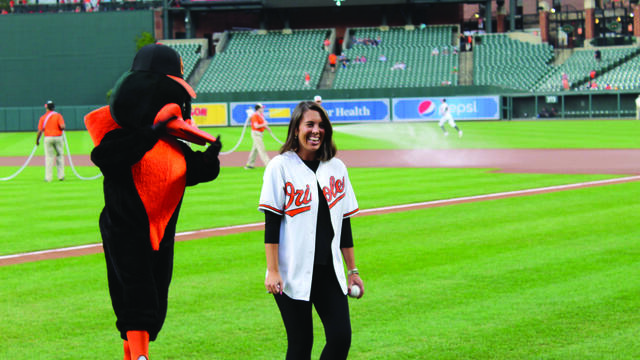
{"x":138,"y":345}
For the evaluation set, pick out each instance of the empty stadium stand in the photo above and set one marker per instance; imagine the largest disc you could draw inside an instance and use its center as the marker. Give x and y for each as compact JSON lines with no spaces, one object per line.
{"x":625,"y":76}
{"x":411,"y":46}
{"x":581,"y":63}
{"x":267,"y":61}
{"x":503,"y":61}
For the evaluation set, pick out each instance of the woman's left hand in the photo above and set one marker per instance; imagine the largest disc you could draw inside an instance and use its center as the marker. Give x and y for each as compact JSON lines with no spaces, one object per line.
{"x":355,"y":279}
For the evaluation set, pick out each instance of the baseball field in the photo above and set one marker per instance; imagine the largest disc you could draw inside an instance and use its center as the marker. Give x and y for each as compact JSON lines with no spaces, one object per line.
{"x":519,"y":240}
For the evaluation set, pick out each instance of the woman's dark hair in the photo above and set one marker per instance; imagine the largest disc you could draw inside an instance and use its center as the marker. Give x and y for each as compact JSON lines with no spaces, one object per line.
{"x":328,"y":148}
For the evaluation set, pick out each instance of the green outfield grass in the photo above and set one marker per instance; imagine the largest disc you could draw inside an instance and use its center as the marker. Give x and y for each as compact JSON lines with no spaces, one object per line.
{"x":547,"y":276}
{"x":540,"y":277}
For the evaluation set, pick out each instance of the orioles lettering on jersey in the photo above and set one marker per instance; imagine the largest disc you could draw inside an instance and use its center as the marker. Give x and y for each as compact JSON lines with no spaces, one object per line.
{"x":335,"y":191}
{"x":299,"y":197}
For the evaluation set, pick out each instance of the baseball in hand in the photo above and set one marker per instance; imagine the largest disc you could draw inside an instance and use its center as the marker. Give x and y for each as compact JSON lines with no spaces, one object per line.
{"x":354,"y":292}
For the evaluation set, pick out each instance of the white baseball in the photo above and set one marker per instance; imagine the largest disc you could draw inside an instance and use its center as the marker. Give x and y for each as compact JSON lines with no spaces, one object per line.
{"x":354,"y":291}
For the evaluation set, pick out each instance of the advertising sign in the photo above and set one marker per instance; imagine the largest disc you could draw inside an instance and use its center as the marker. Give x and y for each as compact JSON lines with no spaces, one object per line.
{"x":461,"y":108}
{"x":279,"y":112}
{"x":214,"y":114}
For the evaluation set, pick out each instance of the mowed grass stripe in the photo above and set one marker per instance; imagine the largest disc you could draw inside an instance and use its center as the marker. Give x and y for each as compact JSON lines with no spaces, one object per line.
{"x":61,"y":214}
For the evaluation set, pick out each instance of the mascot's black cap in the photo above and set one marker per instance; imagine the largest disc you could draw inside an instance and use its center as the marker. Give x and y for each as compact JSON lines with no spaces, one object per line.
{"x":161,"y":59}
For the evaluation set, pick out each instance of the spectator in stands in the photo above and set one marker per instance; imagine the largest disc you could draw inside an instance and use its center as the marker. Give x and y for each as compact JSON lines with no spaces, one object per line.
{"x":343,"y":60}
{"x":327,"y":44}
{"x":598,"y":55}
{"x":382,"y":58}
{"x":52,"y":125}
{"x":307,"y":79}
{"x":399,"y":66}
{"x":553,"y":112}
{"x":435,"y":51}
{"x":445,"y":50}
{"x":565,"y":81}
{"x":332,"y":61}
{"x":258,"y":126}
{"x":360,"y":59}
{"x":378,"y":41}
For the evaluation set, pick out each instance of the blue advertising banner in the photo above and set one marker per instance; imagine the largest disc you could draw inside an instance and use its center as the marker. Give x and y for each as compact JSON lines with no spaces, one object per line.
{"x":279,"y":112}
{"x":461,"y":108}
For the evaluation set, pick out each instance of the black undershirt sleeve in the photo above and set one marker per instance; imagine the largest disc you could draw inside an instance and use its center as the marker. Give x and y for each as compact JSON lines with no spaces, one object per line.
{"x":272,"y":227}
{"x":346,"y":238}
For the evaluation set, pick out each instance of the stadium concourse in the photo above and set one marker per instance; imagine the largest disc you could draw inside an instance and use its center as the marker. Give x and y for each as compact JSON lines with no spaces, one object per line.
{"x":552,"y":161}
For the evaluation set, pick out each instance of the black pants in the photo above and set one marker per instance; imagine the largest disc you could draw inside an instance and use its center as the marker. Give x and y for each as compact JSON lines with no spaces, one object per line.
{"x":138,"y":278}
{"x":333,"y":309}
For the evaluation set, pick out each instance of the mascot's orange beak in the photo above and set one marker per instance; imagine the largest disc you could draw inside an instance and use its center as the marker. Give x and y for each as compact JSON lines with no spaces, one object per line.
{"x":178,"y":127}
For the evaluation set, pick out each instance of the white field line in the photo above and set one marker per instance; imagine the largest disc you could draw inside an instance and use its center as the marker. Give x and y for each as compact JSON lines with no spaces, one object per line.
{"x":384,"y":209}
{"x":499,"y":195}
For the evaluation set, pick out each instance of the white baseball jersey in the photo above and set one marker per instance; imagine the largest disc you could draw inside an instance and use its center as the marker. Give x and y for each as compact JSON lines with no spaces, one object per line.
{"x":446,"y":115}
{"x":290,"y":189}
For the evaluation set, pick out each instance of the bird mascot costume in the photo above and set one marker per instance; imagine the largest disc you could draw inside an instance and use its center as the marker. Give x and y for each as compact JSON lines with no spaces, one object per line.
{"x":146,"y":169}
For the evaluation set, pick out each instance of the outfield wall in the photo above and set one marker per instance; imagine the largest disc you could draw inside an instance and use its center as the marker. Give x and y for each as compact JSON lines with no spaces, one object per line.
{"x":467,"y":104}
{"x":85,"y":54}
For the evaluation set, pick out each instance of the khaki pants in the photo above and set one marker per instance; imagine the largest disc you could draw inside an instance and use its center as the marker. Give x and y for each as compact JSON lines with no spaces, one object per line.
{"x":53,"y":148}
{"x":257,"y":149}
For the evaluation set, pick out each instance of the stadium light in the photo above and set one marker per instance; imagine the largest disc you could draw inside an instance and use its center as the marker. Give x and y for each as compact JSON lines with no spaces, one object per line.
{"x":339,"y":2}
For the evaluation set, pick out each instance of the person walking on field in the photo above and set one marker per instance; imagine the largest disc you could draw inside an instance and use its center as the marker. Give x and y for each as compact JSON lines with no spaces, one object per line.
{"x":307,"y":200}
{"x":52,"y":125}
{"x":258,"y":126}
{"x":446,"y":117}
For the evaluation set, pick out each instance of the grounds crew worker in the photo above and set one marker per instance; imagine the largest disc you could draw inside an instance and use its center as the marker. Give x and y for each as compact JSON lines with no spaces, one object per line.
{"x":52,"y":125}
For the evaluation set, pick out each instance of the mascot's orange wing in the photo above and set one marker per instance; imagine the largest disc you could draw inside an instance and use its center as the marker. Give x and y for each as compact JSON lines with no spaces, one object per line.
{"x":99,"y":122}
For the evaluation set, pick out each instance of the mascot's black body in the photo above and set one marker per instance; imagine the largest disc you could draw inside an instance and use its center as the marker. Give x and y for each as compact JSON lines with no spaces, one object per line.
{"x":145,"y":172}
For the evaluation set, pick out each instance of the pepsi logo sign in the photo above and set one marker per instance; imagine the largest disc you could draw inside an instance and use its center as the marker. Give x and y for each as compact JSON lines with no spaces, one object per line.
{"x":426,"y":108}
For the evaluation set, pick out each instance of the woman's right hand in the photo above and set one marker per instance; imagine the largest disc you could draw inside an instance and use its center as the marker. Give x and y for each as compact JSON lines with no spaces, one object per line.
{"x":273,"y":283}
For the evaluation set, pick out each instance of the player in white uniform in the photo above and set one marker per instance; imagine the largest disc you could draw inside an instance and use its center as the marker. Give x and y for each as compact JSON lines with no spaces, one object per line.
{"x":446,"y":117}
{"x":307,"y":199}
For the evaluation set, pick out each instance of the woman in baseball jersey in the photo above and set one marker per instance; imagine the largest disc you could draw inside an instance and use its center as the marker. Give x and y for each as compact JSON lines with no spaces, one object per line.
{"x":307,"y":200}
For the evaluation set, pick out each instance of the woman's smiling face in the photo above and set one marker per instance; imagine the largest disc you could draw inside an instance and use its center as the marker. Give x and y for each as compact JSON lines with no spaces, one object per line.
{"x":310,"y":134}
